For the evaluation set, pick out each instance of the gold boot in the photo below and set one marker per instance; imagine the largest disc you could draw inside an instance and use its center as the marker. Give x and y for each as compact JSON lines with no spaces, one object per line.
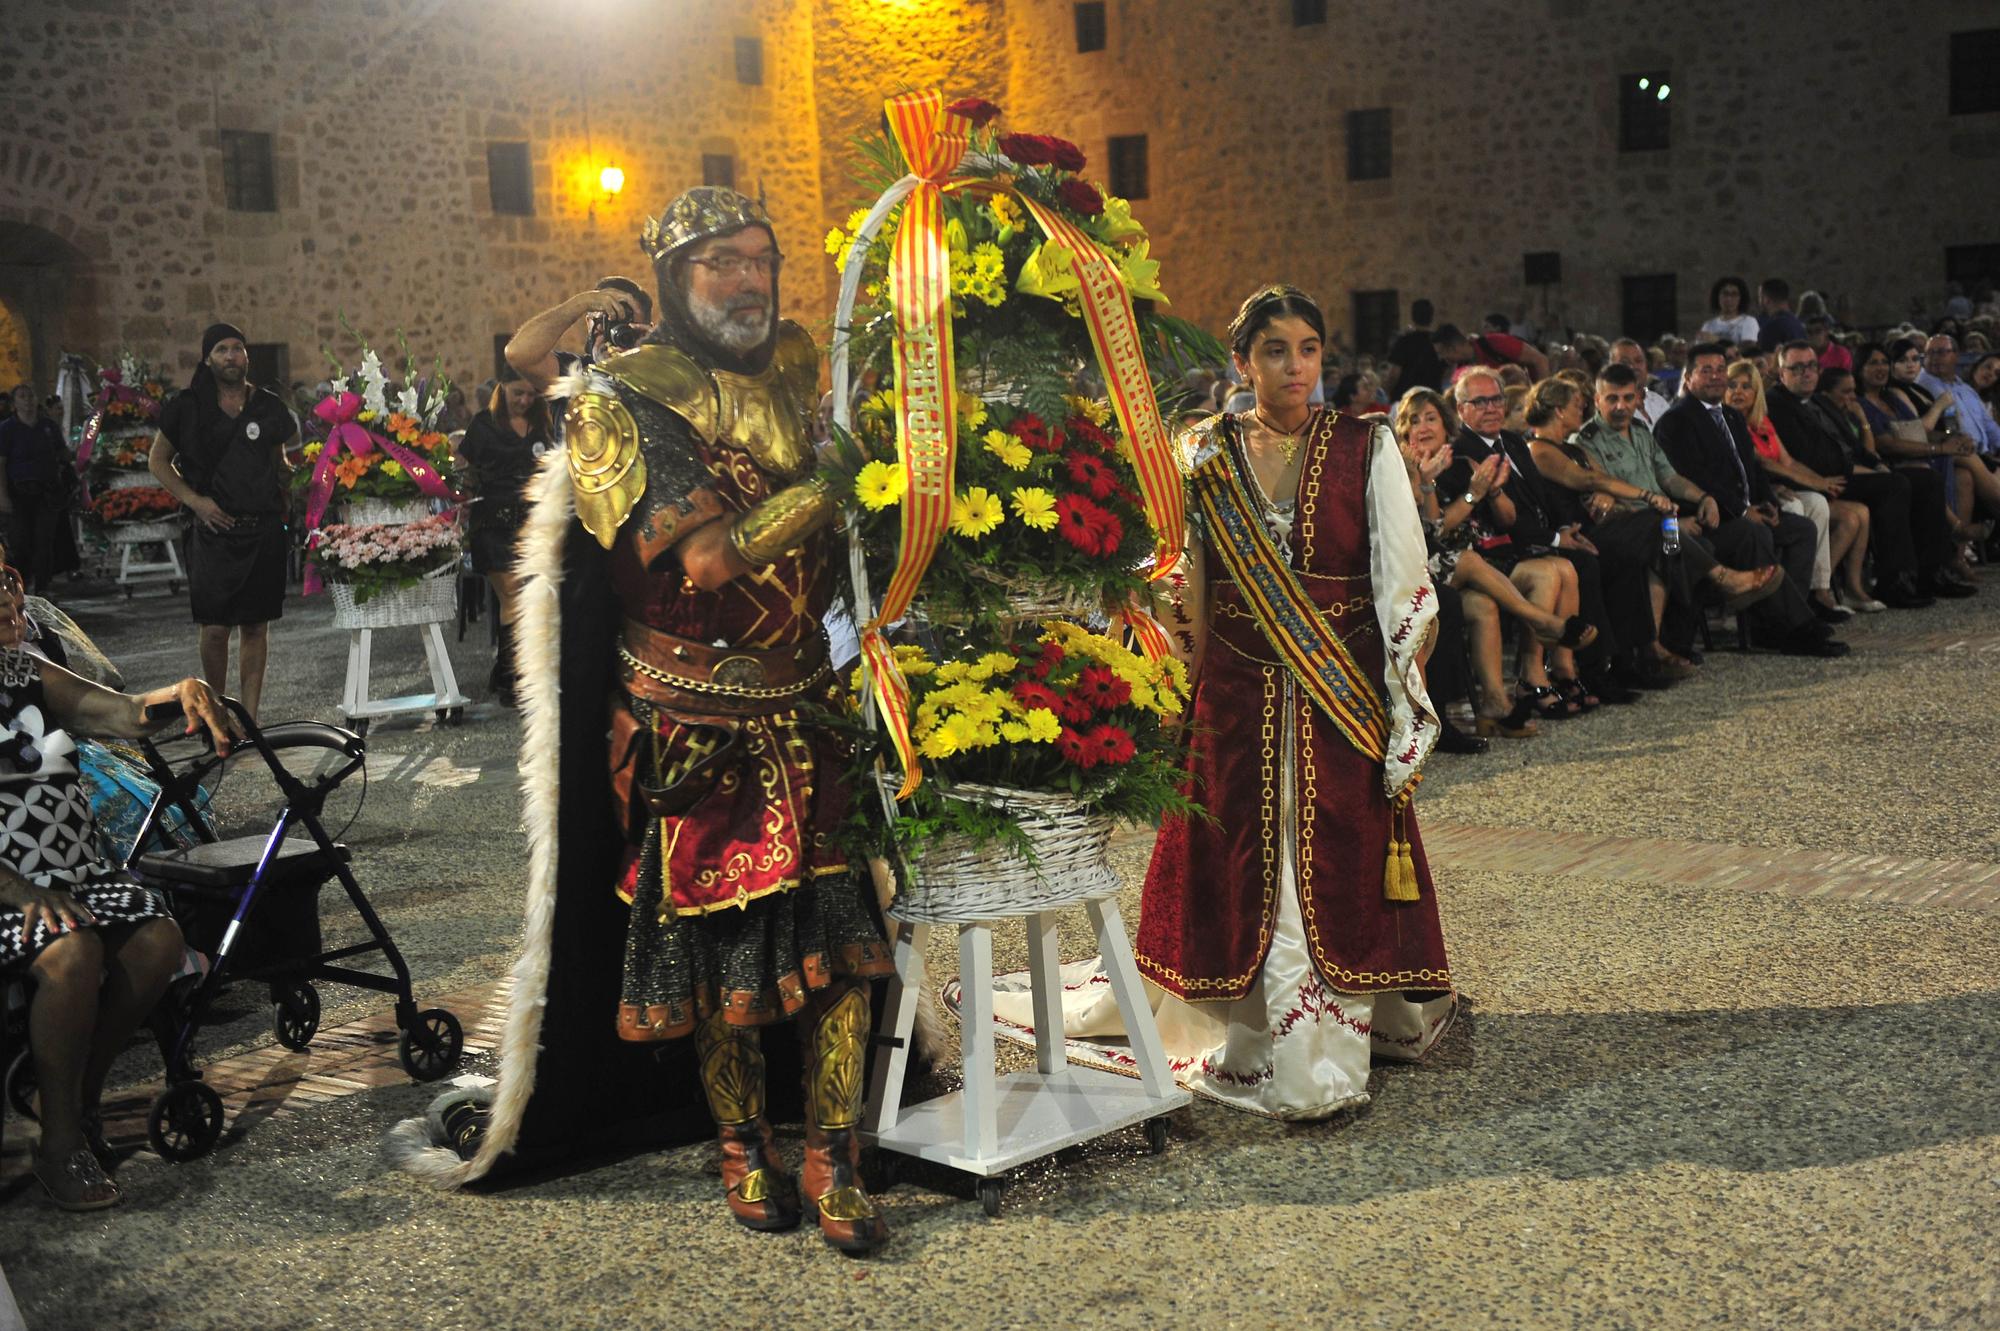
{"x":761,"y":1194}
{"x":835,"y":1055}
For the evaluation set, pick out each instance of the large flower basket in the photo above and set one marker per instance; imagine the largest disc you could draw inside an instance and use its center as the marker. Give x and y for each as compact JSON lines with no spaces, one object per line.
{"x":955,"y":881}
{"x":432,"y":599}
{"x":1030,"y":600}
{"x":129,"y":480}
{"x":370,"y":512}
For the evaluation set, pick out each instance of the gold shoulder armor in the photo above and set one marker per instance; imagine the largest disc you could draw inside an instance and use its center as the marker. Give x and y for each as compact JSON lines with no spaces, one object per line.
{"x":605,"y":468}
{"x":670,"y":377}
{"x":796,"y":360}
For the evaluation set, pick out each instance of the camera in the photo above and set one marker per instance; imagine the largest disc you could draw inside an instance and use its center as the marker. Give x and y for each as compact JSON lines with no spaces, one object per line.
{"x":615,"y":335}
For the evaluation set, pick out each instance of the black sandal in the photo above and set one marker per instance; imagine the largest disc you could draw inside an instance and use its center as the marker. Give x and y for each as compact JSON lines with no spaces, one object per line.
{"x":1574,"y":691}
{"x":1517,"y":724}
{"x":1548,"y":704}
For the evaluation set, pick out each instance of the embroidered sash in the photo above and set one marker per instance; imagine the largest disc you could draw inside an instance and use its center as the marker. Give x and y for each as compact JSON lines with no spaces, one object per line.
{"x":1300,"y":632}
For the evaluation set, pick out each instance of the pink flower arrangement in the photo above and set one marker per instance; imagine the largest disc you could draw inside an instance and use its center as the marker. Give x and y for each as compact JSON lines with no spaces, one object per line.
{"x":385,"y":552}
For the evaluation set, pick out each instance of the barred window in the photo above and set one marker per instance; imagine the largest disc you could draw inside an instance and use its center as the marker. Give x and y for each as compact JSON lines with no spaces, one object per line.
{"x":1090,"y":26}
{"x":248,"y":183}
{"x":718,"y":169}
{"x":1644,"y":117}
{"x":1128,"y":166}
{"x":750,"y":60}
{"x":1651,"y":306}
{"x":1376,"y":314}
{"x":1975,"y":72}
{"x":508,"y":181}
{"x":1368,"y":144}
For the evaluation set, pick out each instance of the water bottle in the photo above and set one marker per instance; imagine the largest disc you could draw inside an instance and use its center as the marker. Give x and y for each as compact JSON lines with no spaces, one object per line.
{"x":1670,"y":534}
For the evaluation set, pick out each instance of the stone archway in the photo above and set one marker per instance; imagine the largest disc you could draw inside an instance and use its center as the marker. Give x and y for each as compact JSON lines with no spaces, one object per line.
{"x":47,"y":301}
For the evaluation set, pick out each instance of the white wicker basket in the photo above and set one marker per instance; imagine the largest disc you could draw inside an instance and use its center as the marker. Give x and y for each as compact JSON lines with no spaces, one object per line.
{"x":955,"y":881}
{"x":129,"y":480}
{"x":138,"y":533}
{"x":432,"y":600}
{"x":370,"y":512}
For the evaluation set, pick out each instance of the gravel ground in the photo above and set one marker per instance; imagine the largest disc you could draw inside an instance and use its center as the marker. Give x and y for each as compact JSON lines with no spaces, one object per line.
{"x":1666,"y":1107}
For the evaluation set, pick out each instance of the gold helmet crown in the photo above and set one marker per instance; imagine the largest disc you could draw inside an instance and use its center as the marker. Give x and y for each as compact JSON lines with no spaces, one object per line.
{"x":704,"y":211}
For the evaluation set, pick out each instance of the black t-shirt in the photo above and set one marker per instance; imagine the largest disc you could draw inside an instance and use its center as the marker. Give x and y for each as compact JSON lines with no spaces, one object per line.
{"x":502,"y":463}
{"x":1418,"y":360}
{"x":34,"y":454}
{"x":234,"y":460}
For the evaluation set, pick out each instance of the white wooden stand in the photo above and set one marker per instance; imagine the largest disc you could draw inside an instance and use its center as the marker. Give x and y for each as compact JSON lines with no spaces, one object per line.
{"x":444,"y":697}
{"x":998,"y":1123}
{"x":135,"y":570}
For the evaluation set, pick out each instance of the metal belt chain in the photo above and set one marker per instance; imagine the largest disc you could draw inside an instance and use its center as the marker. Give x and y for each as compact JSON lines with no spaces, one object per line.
{"x":704,"y":686}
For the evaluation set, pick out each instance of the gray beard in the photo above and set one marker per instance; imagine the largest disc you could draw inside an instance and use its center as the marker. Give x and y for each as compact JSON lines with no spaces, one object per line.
{"x":728,"y":333}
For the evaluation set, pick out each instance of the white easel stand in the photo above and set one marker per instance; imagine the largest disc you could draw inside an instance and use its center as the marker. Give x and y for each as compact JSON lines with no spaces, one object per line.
{"x":997,"y":1123}
{"x":444,"y":698}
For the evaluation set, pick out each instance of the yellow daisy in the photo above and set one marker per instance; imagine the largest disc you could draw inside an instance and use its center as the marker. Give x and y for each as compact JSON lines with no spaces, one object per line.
{"x":1035,"y":507}
{"x":1009,"y":450}
{"x":976,"y":512}
{"x":880,"y":484}
{"x":1043,"y":726}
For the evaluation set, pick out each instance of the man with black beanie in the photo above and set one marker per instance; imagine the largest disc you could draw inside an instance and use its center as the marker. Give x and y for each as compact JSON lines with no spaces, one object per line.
{"x":221,"y":451}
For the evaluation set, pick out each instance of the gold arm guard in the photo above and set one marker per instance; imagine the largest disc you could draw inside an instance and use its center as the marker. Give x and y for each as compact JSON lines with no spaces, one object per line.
{"x":605,"y":468}
{"x":782,"y":522}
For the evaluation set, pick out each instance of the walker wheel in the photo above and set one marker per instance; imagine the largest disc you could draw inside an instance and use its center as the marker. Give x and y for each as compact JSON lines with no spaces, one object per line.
{"x":431,"y":1047}
{"x":295,"y":1015}
{"x":1156,"y":1135}
{"x":989,"y":1196}
{"x":185,"y":1122}
{"x":21,"y":1085}
{"x":360,"y":724}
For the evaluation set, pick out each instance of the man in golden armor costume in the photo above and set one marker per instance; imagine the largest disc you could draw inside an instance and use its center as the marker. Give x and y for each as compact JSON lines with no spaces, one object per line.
{"x":702,"y":531}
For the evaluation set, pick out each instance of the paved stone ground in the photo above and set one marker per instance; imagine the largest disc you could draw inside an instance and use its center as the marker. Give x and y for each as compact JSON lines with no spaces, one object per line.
{"x":1731,"y":960}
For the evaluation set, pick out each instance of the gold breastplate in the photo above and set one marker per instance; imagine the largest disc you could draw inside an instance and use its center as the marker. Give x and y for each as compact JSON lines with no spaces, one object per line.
{"x":762,"y":414}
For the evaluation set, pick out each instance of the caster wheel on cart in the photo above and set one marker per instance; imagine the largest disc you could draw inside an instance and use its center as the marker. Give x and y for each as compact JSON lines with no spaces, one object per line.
{"x":360,"y":725}
{"x":295,"y":1015}
{"x":1156,"y":1135}
{"x":989,"y":1196}
{"x":186,"y":1121}
{"x":431,"y":1047}
{"x":21,"y":1086}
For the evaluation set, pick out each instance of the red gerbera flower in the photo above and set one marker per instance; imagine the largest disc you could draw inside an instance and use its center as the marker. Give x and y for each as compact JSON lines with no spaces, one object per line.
{"x":1051,"y":657}
{"x":1042,"y":150}
{"x":1032,"y":693}
{"x":1103,"y":687}
{"x":1075,"y":522}
{"x":1079,"y":194}
{"x":1076,"y":749}
{"x":1111,"y":744}
{"x":1079,"y":428}
{"x":1091,"y":473}
{"x":1110,"y":531}
{"x":976,"y":109}
{"x":1074,"y":707}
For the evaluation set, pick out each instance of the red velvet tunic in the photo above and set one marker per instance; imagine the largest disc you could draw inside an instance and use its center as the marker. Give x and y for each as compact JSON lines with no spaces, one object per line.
{"x":772,"y":819}
{"x":1210,"y":900}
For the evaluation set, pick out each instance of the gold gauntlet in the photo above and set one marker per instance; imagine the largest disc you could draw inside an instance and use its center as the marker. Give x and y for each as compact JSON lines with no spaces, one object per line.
{"x":783,"y":521}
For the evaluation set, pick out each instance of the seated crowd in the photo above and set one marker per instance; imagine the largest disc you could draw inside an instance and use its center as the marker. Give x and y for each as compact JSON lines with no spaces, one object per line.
{"x":1595,"y":500}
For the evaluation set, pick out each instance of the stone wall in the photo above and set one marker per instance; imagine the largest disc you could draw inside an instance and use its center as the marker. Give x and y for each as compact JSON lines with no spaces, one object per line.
{"x":1810,"y":142}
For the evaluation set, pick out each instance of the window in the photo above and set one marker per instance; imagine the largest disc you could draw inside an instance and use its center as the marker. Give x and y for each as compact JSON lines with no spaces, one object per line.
{"x":1376,"y":314}
{"x":1542,"y":268}
{"x":507,"y":179}
{"x":1651,"y":306}
{"x":1308,"y":13}
{"x":500,"y":341}
{"x":1643,"y":113}
{"x":247,"y":182}
{"x":1128,"y":166}
{"x":1972,"y":266}
{"x":271,"y":364}
{"x":750,"y":60}
{"x":1090,"y":26}
{"x":1975,"y":85}
{"x":718,"y":169}
{"x":1368,"y":144}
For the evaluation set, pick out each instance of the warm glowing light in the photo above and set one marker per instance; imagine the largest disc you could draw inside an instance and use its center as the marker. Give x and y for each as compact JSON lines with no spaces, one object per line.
{"x":611,"y":179}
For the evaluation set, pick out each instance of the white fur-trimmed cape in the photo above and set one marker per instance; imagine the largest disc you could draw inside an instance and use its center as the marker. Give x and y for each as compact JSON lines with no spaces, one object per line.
{"x":538,"y":647}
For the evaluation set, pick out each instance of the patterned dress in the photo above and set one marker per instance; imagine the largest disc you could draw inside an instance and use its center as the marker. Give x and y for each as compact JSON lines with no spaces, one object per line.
{"x":46,"y":832}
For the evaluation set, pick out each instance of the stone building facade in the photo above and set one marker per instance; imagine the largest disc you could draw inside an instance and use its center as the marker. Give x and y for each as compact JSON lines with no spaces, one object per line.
{"x":1812,"y":142}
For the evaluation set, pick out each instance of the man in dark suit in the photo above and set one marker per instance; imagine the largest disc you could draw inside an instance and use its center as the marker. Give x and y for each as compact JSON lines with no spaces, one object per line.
{"x":1709,"y":444}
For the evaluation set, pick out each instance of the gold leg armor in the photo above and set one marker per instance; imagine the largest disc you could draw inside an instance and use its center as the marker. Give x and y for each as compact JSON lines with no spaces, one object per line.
{"x":761,"y":1194}
{"x":836,"y":1052}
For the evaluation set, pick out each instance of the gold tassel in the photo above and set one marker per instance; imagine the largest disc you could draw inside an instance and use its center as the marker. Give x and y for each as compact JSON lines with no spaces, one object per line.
{"x":1399,"y":873}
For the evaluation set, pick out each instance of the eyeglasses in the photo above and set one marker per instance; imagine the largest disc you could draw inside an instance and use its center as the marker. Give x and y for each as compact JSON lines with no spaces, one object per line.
{"x":729,"y":267}
{"x":10,"y":580}
{"x":1482,"y":401}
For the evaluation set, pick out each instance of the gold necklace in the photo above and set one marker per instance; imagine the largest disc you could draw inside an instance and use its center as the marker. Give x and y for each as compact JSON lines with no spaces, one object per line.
{"x":1288,"y":440}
